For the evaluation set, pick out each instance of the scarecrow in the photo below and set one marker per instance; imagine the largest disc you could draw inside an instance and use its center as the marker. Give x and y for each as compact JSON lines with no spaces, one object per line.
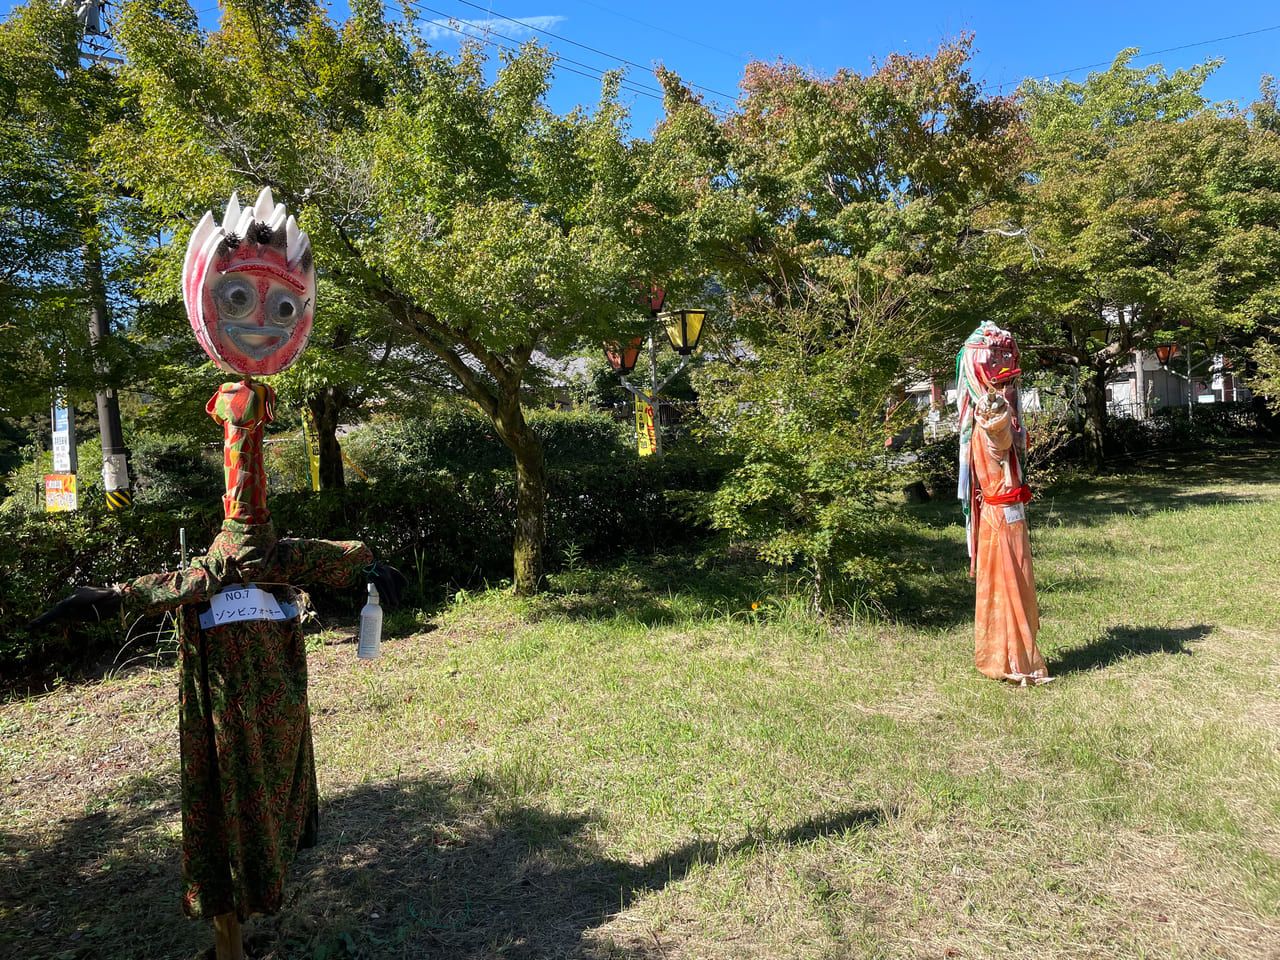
{"x":994,"y":491}
{"x":249,"y":797}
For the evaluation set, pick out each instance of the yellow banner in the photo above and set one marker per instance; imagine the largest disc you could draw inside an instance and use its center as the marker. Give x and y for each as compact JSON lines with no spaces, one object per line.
{"x":313,"y":448}
{"x":60,"y":492}
{"x":646,"y":438}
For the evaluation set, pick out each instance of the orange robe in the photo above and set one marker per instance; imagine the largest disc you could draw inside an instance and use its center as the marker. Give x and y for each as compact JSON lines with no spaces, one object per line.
{"x":1006,"y":616}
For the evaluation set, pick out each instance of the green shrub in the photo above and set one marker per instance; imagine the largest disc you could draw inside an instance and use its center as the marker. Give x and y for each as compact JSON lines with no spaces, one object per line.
{"x":171,"y":470}
{"x":938,"y":466}
{"x":583,"y":436}
{"x":42,"y":556}
{"x":455,"y":530}
{"x":26,"y":482}
{"x":284,"y":456}
{"x":453,"y":438}
{"x":1174,"y":428}
{"x":444,"y":526}
{"x":13,"y":439}
{"x":460,"y":439}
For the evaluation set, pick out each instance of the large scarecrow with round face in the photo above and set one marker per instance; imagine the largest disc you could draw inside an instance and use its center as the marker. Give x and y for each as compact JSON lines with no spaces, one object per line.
{"x":249,"y":798}
{"x":993,"y":488}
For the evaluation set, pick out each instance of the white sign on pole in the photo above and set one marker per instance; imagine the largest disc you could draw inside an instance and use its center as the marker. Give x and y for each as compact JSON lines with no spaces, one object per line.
{"x":64,"y":446}
{"x":115,"y":472}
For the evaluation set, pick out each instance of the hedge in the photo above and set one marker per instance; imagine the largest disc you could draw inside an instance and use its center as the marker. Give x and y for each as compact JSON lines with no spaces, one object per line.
{"x":1169,"y":428}
{"x":444,"y":527}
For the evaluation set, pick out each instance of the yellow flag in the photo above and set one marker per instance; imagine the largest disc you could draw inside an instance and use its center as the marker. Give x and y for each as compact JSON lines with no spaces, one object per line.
{"x":646,"y":439}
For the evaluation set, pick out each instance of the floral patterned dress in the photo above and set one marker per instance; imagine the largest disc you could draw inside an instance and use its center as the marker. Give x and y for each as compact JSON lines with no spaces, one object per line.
{"x":249,"y":797}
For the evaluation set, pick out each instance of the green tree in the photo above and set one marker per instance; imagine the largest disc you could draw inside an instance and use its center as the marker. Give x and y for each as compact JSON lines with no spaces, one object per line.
{"x":457,"y":217}
{"x":836,"y":214}
{"x":1137,"y":223}
{"x":887,"y":170}
{"x":1266,"y":109}
{"x":1255,"y":243}
{"x":808,"y":431}
{"x":58,"y":215}
{"x":251,"y":117}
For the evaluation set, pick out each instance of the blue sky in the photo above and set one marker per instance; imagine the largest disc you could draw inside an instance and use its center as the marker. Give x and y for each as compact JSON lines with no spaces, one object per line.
{"x":708,"y":43}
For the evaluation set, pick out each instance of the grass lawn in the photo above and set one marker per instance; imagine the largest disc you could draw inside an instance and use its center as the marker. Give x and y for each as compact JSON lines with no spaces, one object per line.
{"x":640,"y":765}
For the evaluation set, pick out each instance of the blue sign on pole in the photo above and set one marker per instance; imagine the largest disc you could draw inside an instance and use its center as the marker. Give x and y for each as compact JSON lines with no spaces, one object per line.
{"x":64,"y":443}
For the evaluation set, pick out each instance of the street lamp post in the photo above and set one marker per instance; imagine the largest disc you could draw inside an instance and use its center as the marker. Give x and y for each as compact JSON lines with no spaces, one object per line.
{"x":1191,"y":387}
{"x":684,"y":329}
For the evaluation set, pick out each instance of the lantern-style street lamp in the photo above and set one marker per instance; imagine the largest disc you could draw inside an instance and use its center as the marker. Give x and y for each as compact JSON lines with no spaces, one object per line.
{"x":623,"y":358}
{"x":1167,"y":352}
{"x":684,"y":330}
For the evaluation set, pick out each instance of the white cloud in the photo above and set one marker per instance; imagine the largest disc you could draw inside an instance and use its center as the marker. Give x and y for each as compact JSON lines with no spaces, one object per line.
{"x":515,"y":29}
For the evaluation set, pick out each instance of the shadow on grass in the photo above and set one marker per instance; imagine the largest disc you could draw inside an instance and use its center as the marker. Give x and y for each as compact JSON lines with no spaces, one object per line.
{"x":1125,"y":643}
{"x":933,"y":585}
{"x":419,"y":868}
{"x":1153,"y":484}
{"x":660,"y":590}
{"x":924,"y":545}
{"x":105,"y":884}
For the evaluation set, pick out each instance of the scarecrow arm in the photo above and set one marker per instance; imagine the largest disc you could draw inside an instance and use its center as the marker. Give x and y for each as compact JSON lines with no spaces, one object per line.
{"x":158,"y":592}
{"x":996,"y":422}
{"x":331,"y":563}
{"x":86,"y":603}
{"x":340,"y":563}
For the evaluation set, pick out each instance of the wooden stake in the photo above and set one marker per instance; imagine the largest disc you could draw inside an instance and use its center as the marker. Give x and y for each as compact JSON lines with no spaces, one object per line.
{"x":226,"y":937}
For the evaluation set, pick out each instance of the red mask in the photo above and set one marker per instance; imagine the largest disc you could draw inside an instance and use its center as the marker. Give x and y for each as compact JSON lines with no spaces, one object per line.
{"x":249,"y":285}
{"x":998,"y":359}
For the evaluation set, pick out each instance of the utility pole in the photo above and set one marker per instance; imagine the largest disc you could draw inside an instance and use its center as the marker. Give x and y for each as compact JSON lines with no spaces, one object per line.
{"x":115,"y":456}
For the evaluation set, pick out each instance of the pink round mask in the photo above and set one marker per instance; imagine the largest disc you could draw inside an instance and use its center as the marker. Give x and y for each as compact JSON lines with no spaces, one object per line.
{"x":249,"y":285}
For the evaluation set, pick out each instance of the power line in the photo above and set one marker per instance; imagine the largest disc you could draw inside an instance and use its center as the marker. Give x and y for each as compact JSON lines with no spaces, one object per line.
{"x":1185,"y":46}
{"x":595,"y":74}
{"x":1153,"y":53}
{"x":671,"y":33}
{"x":598,"y":52}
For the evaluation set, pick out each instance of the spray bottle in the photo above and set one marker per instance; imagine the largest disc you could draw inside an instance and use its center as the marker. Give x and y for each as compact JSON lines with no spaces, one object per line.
{"x":369,"y":647}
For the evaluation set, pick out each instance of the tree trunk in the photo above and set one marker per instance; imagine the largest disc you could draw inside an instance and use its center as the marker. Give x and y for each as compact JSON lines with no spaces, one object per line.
{"x":531,"y":499}
{"x":501,"y":403}
{"x":816,"y":600}
{"x":326,"y":407}
{"x":1095,"y":397}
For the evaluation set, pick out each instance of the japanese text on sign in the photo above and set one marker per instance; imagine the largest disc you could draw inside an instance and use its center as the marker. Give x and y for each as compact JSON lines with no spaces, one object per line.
{"x":646,"y":441}
{"x":59,"y":492}
{"x":245,"y":603}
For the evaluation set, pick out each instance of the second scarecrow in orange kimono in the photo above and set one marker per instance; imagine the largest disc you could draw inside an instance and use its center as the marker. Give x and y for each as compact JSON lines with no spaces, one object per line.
{"x":993,"y":488}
